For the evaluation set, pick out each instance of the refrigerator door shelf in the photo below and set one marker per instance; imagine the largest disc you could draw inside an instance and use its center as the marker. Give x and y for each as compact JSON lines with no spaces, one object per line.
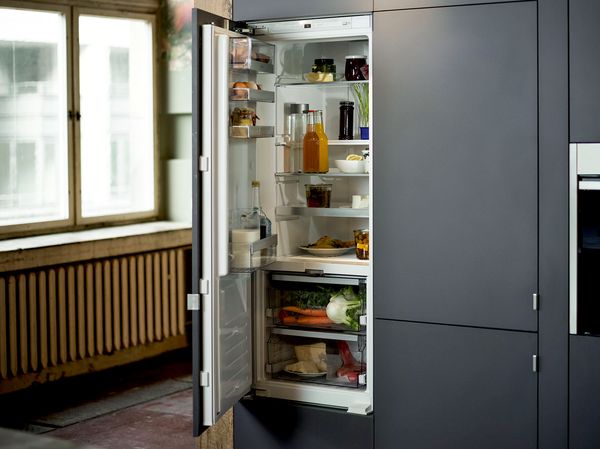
{"x":249,"y":257}
{"x":252,"y":54}
{"x":251,"y":132}
{"x":245,"y":94}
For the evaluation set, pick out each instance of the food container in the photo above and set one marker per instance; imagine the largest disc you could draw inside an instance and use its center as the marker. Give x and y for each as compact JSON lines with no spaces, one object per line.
{"x":346,"y":166}
{"x":323,"y":65}
{"x":318,"y":195}
{"x":248,"y":53}
{"x":243,"y":117}
{"x":361,"y":238}
{"x":352,"y":70}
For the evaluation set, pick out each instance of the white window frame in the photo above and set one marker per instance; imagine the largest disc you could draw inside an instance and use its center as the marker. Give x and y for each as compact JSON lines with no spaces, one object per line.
{"x":71,"y":11}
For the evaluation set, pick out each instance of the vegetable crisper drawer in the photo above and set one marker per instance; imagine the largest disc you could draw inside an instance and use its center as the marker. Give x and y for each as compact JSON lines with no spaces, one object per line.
{"x":334,"y":303}
{"x":317,"y":357}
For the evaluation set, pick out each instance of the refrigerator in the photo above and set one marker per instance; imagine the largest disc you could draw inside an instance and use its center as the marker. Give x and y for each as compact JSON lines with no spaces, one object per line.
{"x":258,"y":305}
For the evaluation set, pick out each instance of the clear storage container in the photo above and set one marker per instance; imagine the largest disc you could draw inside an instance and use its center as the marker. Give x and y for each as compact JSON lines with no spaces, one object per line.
{"x":311,"y":358}
{"x":302,"y":302}
{"x":248,"y":53}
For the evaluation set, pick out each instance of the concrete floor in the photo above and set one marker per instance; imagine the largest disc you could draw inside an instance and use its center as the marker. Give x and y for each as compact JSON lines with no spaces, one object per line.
{"x":146,"y":405}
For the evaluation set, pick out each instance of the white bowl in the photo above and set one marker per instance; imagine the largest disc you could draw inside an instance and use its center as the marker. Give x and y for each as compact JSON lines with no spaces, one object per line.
{"x":350,"y":166}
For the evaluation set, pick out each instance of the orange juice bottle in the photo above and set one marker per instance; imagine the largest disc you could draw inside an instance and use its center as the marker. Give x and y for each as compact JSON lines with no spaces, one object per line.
{"x":310,"y":147}
{"x":323,"y":143}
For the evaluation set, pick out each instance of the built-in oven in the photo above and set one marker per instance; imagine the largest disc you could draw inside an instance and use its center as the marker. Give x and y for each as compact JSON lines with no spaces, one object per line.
{"x":584,"y":244}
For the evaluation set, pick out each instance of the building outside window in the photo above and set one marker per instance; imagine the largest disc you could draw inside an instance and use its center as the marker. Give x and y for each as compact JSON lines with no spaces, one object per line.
{"x":77,"y":117}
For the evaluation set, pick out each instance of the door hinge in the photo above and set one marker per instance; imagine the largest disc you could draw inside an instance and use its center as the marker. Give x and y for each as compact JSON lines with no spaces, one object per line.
{"x":193,"y":301}
{"x":535,"y":363}
{"x":204,"y":378}
{"x":203,"y":286}
{"x":536,"y":301}
{"x":203,"y":164}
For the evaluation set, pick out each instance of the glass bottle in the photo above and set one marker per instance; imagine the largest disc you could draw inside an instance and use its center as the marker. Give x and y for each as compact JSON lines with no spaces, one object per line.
{"x":346,"y":120}
{"x":323,"y":143}
{"x":264,"y":222}
{"x":310,"y":146}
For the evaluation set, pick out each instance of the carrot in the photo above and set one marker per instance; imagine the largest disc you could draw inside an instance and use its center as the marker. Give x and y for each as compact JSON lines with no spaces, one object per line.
{"x":307,"y":312}
{"x":289,"y":320}
{"x":314,"y":320}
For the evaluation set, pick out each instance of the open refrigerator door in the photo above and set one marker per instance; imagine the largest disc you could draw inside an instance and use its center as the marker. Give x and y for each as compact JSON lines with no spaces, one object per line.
{"x":269,"y":314}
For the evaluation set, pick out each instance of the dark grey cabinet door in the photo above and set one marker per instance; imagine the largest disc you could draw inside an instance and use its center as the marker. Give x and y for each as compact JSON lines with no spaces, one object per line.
{"x":278,"y":9}
{"x":456,"y":172}
{"x":584,"y":392}
{"x":584,"y":43}
{"x":276,"y":424}
{"x":442,"y":387}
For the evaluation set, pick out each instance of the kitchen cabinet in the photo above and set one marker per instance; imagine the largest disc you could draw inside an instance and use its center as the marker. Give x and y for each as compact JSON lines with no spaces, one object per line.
{"x":440,"y":387}
{"x":381,"y":5}
{"x":584,"y":392}
{"x":276,"y":424}
{"x":276,"y":9}
{"x":584,"y":63}
{"x":457,"y":174}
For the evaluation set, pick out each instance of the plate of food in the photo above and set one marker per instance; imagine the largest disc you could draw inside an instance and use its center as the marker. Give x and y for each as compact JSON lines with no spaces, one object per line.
{"x":309,"y":368}
{"x":326,"y":252}
{"x":327,"y":246}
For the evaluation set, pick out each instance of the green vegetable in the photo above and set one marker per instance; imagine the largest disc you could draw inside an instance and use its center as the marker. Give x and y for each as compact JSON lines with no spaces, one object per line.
{"x":311,"y":299}
{"x":345,"y":307}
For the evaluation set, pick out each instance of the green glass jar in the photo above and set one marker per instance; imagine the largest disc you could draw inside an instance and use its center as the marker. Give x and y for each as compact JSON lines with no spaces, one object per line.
{"x":324,"y":66}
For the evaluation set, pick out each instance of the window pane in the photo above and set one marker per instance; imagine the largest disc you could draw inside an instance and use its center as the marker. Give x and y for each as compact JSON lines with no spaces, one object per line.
{"x":33,"y":117}
{"x":117,"y":130}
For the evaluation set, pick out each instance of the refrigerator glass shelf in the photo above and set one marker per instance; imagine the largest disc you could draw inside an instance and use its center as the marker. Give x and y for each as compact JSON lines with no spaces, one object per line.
{"x":330,"y":175}
{"x":251,"y":132}
{"x":318,"y":332}
{"x":245,"y":94}
{"x":334,"y":212}
{"x":332,"y":84}
{"x":348,"y":143}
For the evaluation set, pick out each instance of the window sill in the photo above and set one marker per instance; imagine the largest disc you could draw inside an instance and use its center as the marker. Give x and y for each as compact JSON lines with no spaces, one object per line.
{"x":68,"y":247}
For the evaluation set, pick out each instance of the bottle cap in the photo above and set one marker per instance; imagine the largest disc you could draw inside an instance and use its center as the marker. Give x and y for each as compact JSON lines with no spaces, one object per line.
{"x":255,"y":183}
{"x":346,"y":103}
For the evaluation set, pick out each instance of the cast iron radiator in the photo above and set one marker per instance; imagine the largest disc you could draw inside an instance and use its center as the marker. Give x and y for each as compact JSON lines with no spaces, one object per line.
{"x":68,"y":319}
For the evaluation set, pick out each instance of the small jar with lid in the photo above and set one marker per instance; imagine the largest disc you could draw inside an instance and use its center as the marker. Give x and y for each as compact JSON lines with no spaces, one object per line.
{"x":324,"y":66}
{"x":353,"y":65}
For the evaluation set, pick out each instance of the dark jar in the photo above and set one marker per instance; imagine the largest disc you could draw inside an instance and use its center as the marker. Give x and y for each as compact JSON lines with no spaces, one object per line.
{"x":346,"y":120}
{"x":353,"y":65}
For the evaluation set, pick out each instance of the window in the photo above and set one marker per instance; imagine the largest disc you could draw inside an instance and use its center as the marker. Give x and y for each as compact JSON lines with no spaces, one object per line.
{"x":77,"y":123}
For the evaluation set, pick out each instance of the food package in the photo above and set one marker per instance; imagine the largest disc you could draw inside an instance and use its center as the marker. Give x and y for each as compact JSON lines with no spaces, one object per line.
{"x":315,"y":353}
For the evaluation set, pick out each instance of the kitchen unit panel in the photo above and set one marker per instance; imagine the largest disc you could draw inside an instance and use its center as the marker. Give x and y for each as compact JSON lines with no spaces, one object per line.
{"x":456,"y":187}
{"x":275,"y":424}
{"x":584,"y":45}
{"x":584,"y":392}
{"x":381,"y":5}
{"x":440,"y":387}
{"x":276,"y":9}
